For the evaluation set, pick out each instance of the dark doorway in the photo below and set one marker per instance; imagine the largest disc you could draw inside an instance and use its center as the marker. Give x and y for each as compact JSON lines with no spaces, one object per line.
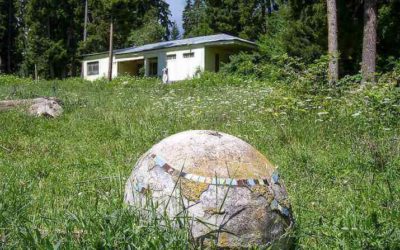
{"x":153,"y":66}
{"x":217,"y":62}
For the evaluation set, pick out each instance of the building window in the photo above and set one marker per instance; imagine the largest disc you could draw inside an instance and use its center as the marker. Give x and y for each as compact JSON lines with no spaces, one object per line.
{"x":171,"y":57}
{"x":93,"y":68}
{"x":188,"y":55}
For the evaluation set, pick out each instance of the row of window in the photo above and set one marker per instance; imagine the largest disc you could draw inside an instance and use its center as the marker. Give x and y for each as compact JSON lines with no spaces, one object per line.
{"x":93,"y":67}
{"x":185,"y":55}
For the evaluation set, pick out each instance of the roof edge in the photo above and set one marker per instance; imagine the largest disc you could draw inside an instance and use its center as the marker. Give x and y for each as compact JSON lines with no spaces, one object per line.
{"x":129,"y":49}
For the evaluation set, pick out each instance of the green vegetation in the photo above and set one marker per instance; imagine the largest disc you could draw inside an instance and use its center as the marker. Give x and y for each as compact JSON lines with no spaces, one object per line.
{"x":36,"y":39}
{"x":299,"y":27}
{"x":33,"y":35}
{"x":338,"y":150}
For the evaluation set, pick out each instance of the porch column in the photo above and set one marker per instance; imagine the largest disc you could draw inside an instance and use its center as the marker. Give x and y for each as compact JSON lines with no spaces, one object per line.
{"x":115,"y":68}
{"x":146,"y":66}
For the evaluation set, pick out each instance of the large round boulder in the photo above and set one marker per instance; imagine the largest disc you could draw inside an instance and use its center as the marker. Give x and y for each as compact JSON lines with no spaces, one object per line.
{"x":230,"y":193}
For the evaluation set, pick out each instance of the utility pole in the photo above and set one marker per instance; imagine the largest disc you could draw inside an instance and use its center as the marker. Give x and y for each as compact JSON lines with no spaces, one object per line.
{"x":86,"y":21}
{"x":36,"y":74}
{"x":85,"y":33}
{"x":110,"y":54}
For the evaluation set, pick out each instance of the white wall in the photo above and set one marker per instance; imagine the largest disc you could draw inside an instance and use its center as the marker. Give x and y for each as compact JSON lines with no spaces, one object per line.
{"x":178,"y":69}
{"x":103,"y":69}
{"x":185,"y":68}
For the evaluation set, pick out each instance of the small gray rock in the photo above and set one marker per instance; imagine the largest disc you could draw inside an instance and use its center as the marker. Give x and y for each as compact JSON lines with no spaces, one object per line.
{"x":48,"y":107}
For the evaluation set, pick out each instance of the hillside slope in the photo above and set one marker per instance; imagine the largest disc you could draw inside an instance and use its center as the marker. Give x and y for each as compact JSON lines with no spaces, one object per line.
{"x":62,"y":180}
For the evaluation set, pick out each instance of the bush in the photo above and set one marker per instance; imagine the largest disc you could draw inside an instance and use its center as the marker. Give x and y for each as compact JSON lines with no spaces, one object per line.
{"x":12,"y":79}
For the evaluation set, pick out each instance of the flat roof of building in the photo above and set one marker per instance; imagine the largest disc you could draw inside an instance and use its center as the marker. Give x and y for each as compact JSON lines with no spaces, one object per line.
{"x":182,"y":42}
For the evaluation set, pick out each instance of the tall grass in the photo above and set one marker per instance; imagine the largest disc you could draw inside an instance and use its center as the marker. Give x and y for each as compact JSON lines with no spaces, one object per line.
{"x":62,"y":180}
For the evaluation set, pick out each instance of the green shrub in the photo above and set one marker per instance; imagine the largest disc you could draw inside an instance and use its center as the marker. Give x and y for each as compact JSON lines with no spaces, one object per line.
{"x":13,"y":79}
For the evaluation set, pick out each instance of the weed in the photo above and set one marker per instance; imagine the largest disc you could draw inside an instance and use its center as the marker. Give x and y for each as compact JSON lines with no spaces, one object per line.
{"x":62,"y":180}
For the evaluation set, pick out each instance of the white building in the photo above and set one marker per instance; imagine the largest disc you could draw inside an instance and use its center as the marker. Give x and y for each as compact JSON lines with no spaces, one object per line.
{"x":183,"y":58}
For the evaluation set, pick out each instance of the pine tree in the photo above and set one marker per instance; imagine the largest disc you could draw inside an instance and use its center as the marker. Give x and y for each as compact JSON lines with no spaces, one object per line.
{"x":244,"y":18}
{"x":150,"y":32}
{"x":224,"y":16}
{"x":3,"y":28}
{"x":129,"y":16}
{"x":51,"y":37}
{"x":388,"y":34}
{"x":175,"y":34}
{"x":187,"y":17}
{"x":163,"y":16}
{"x":306,"y":36}
{"x":8,"y":34}
{"x":200,"y":20}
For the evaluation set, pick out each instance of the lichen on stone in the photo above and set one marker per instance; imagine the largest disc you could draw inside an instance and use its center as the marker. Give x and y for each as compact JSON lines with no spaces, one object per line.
{"x":262,"y":191}
{"x":223,"y":240}
{"x":213,"y":211}
{"x":192,"y":190}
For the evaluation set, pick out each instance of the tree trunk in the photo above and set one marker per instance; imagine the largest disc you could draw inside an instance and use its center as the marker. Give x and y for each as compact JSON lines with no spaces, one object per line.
{"x":369,"y":41}
{"x":110,"y":64}
{"x":333,"y":73}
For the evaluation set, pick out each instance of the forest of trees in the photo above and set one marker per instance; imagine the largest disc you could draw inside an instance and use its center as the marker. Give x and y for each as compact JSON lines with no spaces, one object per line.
{"x":300,"y":28}
{"x":49,"y":34}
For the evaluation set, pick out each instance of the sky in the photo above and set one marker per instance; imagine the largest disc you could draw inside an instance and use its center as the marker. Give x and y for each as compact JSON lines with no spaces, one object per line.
{"x":176,"y":7}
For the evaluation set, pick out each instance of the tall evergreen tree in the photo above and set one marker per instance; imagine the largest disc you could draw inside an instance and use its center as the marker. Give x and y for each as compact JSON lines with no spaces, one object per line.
{"x":200,"y":24}
{"x":8,"y":34}
{"x":187,"y":17}
{"x":163,"y":16}
{"x":52,"y":37}
{"x":388,"y":35}
{"x":305,"y":37}
{"x":3,"y":28}
{"x":224,"y":16}
{"x":129,"y":15}
{"x":252,"y":18}
{"x":244,"y":18}
{"x":150,"y":32}
{"x":175,"y":34}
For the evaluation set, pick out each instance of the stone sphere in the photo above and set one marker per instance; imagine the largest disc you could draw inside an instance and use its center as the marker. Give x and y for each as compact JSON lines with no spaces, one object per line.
{"x":230,"y":193}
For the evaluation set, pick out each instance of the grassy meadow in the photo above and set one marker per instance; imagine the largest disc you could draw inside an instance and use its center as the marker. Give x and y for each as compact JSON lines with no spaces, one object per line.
{"x":62,"y":180}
